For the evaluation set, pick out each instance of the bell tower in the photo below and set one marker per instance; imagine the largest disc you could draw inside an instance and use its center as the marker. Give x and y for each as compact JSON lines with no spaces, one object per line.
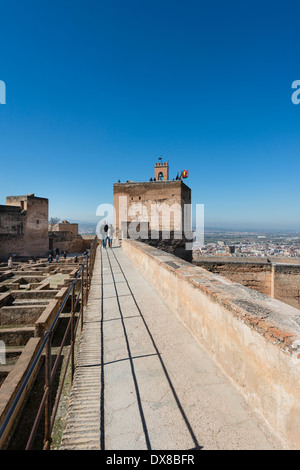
{"x":161,"y":171}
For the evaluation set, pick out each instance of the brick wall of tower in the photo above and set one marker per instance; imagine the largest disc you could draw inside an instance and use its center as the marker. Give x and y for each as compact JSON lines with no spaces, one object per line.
{"x":161,"y":168}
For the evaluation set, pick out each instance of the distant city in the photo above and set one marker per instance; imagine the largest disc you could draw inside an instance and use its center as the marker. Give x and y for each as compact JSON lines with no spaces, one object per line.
{"x":87,"y":228}
{"x":243,"y":244}
{"x":238,"y":244}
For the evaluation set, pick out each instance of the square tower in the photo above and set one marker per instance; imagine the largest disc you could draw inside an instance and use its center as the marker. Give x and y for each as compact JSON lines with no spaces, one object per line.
{"x":161,"y":171}
{"x":34,"y":232}
{"x":155,"y":212}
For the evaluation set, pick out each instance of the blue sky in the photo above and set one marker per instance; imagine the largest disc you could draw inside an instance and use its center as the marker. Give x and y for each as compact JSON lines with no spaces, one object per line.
{"x":96,"y":91}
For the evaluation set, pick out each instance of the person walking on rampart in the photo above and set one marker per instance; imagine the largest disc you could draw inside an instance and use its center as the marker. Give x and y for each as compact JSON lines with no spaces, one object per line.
{"x":103,"y":232}
{"x":110,"y":233}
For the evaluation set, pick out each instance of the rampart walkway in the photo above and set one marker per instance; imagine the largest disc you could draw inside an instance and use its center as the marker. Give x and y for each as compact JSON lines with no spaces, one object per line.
{"x":143,"y":382}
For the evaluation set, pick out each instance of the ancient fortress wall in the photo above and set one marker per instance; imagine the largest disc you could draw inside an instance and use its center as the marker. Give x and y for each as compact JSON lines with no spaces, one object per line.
{"x":254,"y":275}
{"x":36,"y":229}
{"x":65,"y":237}
{"x":278,"y":280}
{"x":11,"y":230}
{"x":64,"y":227}
{"x":253,"y":338}
{"x":24,"y":226}
{"x":24,"y":230}
{"x":66,"y":241}
{"x":286,"y":283}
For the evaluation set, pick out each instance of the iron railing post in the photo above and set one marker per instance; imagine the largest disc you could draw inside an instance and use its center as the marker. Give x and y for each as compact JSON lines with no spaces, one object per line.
{"x":47,"y":438}
{"x":87,"y":281}
{"x":81,"y":301}
{"x":72,"y":333}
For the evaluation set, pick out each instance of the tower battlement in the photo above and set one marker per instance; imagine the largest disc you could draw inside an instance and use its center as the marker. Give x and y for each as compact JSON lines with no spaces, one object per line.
{"x":161,"y":171}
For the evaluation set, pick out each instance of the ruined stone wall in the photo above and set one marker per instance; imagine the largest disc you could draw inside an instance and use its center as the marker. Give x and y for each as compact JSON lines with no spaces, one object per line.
{"x":36,"y":228}
{"x":65,"y":241}
{"x":257,"y":276}
{"x":11,"y":220}
{"x":12,"y":238}
{"x":280,"y":281}
{"x":287,"y":283}
{"x":24,"y":226}
{"x":11,"y":245}
{"x":65,"y":227}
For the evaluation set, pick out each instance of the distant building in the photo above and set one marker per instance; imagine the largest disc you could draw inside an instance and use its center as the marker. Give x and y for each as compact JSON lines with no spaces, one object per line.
{"x":64,"y":226}
{"x":64,"y":236}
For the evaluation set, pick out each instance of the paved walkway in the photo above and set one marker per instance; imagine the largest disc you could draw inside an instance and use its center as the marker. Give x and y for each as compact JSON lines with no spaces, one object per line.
{"x":143,"y":382}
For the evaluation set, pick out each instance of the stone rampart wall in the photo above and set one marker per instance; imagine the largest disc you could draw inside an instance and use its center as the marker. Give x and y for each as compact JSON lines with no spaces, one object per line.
{"x":253,"y":338}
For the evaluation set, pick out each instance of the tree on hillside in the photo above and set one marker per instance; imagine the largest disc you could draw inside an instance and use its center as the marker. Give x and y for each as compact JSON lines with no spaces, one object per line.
{"x":53,"y":221}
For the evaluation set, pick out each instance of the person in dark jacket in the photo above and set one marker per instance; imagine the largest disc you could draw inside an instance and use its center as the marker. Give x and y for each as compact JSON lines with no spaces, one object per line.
{"x":104,"y":233}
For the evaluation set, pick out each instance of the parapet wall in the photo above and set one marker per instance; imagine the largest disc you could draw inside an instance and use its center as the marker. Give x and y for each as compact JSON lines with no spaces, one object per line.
{"x":253,"y":338}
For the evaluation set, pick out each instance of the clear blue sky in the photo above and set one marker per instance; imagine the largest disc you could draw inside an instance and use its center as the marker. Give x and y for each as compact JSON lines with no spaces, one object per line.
{"x":98,"y":90}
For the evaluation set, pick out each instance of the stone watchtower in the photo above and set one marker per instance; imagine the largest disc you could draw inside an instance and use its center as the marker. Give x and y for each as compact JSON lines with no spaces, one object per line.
{"x":161,"y":171}
{"x":24,"y":226}
{"x":159,"y":211}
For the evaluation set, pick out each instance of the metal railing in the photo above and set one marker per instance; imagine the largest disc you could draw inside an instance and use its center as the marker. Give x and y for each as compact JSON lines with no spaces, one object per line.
{"x":78,"y":291}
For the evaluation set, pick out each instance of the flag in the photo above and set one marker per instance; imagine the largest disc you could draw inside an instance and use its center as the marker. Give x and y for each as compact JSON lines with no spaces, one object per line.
{"x":184,"y":174}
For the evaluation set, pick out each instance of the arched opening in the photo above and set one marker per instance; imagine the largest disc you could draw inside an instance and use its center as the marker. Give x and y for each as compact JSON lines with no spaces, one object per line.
{"x":160,"y":176}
